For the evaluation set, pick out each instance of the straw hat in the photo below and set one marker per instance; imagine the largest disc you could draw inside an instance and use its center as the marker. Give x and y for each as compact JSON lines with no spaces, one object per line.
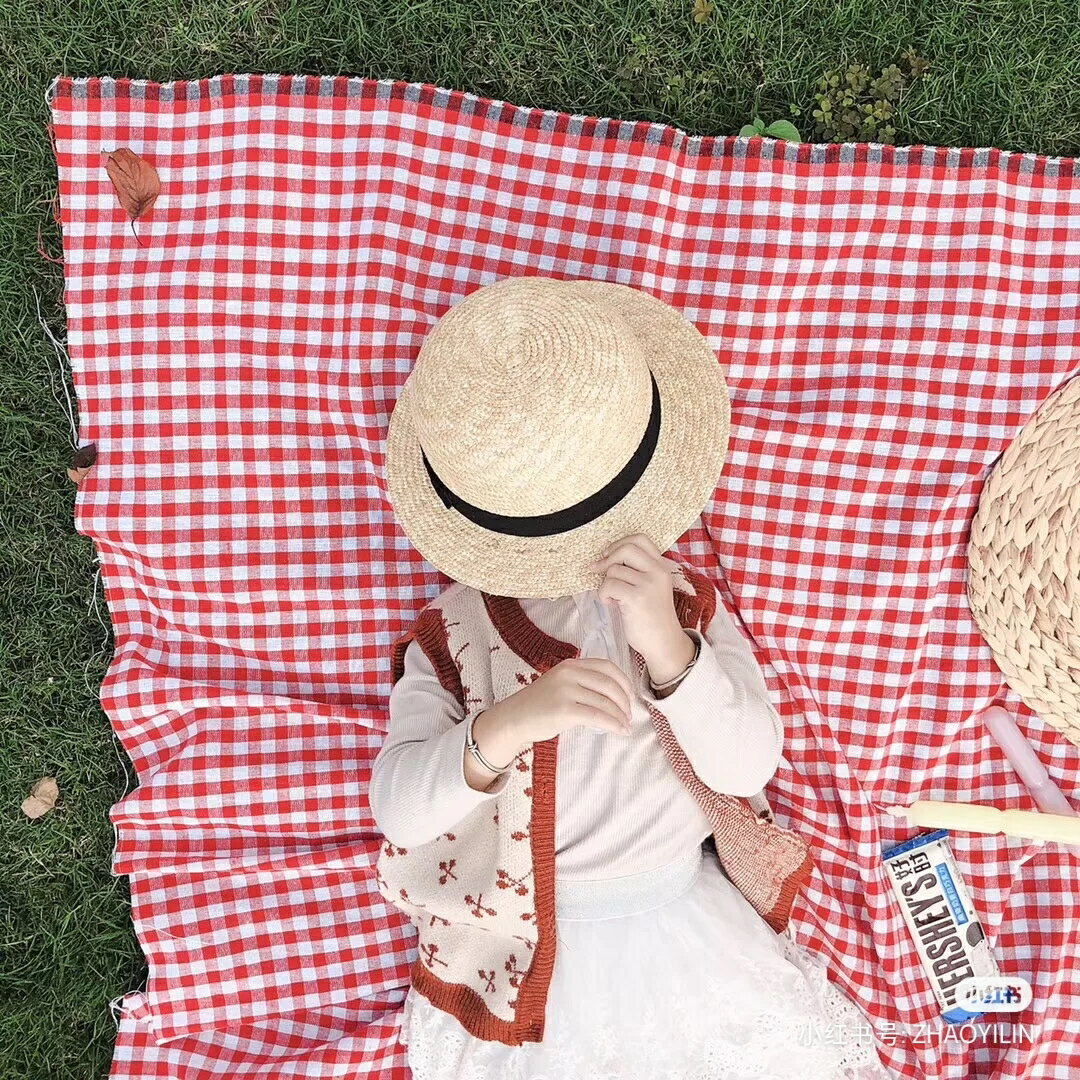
{"x":545,"y":419}
{"x":1024,"y":562}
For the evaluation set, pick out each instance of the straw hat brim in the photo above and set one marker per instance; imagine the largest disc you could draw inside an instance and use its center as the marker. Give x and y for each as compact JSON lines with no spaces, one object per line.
{"x":676,"y":486}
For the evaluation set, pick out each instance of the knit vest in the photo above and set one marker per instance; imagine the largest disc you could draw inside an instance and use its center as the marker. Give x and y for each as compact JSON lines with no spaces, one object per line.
{"x":482,"y":895}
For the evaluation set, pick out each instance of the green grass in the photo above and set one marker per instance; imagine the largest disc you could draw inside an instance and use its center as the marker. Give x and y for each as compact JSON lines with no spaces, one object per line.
{"x":1003,"y":75}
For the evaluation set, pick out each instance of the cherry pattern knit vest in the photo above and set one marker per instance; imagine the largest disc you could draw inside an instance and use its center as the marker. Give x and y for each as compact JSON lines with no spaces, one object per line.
{"x":482,"y":895}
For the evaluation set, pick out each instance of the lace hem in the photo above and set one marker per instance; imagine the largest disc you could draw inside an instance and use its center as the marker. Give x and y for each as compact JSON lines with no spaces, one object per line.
{"x":838,"y":1015}
{"x":771,"y":1046}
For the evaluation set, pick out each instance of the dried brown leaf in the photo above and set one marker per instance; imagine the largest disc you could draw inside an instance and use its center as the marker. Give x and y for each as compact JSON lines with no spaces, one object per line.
{"x":81,"y":461}
{"x":85,"y":456}
{"x":135,"y":179}
{"x":42,"y":798}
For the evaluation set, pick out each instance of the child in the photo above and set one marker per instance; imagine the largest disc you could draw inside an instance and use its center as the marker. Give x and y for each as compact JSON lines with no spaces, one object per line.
{"x":567,"y":730}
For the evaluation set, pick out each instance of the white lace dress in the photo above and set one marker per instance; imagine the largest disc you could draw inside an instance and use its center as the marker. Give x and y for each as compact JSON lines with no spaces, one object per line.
{"x":697,"y":988}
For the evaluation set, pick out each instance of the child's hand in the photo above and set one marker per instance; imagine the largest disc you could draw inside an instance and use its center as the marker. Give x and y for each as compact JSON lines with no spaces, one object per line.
{"x":638,"y":579}
{"x":589,"y":691}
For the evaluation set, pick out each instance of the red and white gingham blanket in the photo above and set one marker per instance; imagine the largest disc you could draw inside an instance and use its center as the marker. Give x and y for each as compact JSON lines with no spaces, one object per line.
{"x":887,"y":320}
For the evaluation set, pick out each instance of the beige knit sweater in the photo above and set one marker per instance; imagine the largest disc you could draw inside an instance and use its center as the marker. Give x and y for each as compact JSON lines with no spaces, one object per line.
{"x":620,"y":808}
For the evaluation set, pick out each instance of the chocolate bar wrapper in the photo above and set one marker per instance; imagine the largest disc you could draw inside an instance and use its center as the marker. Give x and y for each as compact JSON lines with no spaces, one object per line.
{"x":940,"y":917}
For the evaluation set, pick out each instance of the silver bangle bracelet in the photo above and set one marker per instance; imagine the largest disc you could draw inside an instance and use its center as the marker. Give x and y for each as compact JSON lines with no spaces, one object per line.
{"x":682,"y":674}
{"x":470,"y":745}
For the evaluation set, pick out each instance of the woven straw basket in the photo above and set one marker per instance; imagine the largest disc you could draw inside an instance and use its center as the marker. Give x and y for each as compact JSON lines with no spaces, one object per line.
{"x":1024,"y":562}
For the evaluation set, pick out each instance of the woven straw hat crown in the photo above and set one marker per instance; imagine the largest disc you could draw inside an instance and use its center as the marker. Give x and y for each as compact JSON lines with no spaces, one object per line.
{"x":527,"y":399}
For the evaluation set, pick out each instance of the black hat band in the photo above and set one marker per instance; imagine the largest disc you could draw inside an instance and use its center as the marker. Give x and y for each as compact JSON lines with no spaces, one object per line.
{"x":572,"y":517}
